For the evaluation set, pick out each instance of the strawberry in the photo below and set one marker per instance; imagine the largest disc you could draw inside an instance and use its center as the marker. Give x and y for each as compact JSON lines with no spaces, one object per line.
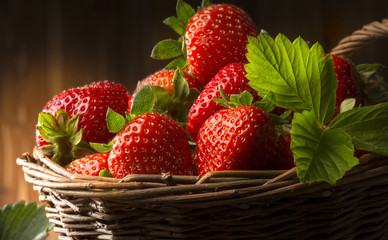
{"x":242,"y":138}
{"x":216,"y":36}
{"x":285,"y":159}
{"x":210,"y":39}
{"x":164,"y":79}
{"x":232,"y":80}
{"x":348,"y":83}
{"x":174,"y":92}
{"x":151,"y":143}
{"x":81,"y":111}
{"x":90,"y":165}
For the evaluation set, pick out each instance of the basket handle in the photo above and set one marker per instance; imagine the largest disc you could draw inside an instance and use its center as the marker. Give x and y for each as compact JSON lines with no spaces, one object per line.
{"x":360,"y":38}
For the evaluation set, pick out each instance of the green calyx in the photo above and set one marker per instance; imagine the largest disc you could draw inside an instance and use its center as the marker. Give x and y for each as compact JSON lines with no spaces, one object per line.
{"x":64,"y":138}
{"x":142,"y":102}
{"x":176,"y":49}
{"x":375,"y":87}
{"x":176,"y":105}
{"x":268,"y":103}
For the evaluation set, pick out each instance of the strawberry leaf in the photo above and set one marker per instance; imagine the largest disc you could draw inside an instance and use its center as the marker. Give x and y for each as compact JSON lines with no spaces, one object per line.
{"x":181,"y":87}
{"x":299,"y":77}
{"x":62,"y":118}
{"x":115,"y":121}
{"x":72,"y":125}
{"x":102,"y":147}
{"x":163,"y":98}
{"x":245,"y":98}
{"x":143,"y":101}
{"x":347,"y":104}
{"x":366,"y":126}
{"x":177,"y":25}
{"x":24,"y":221}
{"x":167,"y":49}
{"x":184,"y":12}
{"x":268,"y":103}
{"x":76,"y":138}
{"x":206,"y":3}
{"x":179,"y":62}
{"x":320,"y":154}
{"x":105,"y":173}
{"x":325,"y":105}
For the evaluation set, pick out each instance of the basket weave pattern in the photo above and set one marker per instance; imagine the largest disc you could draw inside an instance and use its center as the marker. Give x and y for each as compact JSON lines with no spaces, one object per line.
{"x":220,"y":205}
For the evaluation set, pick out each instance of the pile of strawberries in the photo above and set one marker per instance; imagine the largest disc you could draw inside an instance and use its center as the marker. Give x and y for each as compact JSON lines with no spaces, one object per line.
{"x":196,"y":116}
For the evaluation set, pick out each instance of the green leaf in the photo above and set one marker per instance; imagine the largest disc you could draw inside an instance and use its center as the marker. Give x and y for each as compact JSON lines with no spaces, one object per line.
{"x":115,"y":121}
{"x":245,"y":98}
{"x":21,"y":221}
{"x":163,"y":99}
{"x":105,"y":173}
{"x":320,"y":154}
{"x":179,"y":62}
{"x":206,"y":3}
{"x":223,"y":94}
{"x":167,"y":49}
{"x":82,"y":149}
{"x":300,"y":78}
{"x":143,"y":101}
{"x":268,"y":103}
{"x":52,"y":131}
{"x":49,"y":125}
{"x":62,"y":118}
{"x":57,"y":158}
{"x":269,"y":69}
{"x":176,"y":25}
{"x":76,"y":138}
{"x":347,"y":104}
{"x":43,"y":134}
{"x":181,"y":86}
{"x":48,"y":120}
{"x":184,"y":12}
{"x":72,"y":126}
{"x":328,"y":88}
{"x":102,"y":147}
{"x":367,"y":126}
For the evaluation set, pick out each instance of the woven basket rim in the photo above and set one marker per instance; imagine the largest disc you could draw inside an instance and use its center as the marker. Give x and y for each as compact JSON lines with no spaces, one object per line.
{"x":43,"y":173}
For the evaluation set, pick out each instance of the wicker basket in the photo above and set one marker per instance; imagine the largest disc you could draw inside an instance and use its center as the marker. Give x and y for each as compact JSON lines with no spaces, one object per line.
{"x":220,"y":205}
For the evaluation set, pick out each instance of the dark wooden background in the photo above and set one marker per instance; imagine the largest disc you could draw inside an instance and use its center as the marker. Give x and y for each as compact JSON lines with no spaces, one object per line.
{"x":47,"y":46}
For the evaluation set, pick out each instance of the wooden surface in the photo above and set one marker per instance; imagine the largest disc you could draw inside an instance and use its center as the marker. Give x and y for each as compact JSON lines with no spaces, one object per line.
{"x":48,"y":46}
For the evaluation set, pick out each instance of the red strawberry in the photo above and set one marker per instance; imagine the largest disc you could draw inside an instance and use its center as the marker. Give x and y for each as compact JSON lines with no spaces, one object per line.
{"x":232,"y":80}
{"x":150,"y":144}
{"x":90,"y":165}
{"x":176,"y":100}
{"x":92,"y":103}
{"x":216,"y":36}
{"x":164,"y":79}
{"x":87,"y":107}
{"x":243,"y":138}
{"x":285,"y":159}
{"x":348,"y":84}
